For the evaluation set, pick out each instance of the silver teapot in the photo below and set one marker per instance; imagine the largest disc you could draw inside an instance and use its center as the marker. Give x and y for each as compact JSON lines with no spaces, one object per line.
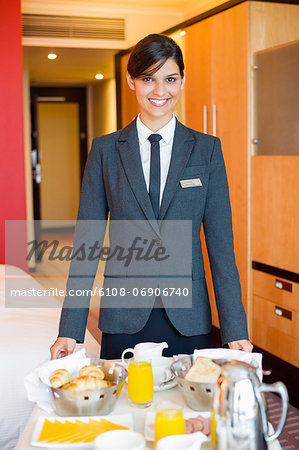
{"x":240,"y":409}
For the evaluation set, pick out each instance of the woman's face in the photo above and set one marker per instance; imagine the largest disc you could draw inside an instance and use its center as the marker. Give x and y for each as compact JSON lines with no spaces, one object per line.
{"x":158,"y":94}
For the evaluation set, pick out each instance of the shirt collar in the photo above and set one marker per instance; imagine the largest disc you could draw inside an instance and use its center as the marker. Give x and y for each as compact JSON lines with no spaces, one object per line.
{"x":167,"y":132}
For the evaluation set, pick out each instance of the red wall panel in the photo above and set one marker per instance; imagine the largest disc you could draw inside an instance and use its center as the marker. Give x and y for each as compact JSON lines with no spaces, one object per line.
{"x":12,"y":171}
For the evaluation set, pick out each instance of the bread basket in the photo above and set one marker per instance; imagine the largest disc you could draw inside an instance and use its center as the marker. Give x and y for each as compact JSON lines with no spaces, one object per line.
{"x":198,"y":396}
{"x":96,"y":402}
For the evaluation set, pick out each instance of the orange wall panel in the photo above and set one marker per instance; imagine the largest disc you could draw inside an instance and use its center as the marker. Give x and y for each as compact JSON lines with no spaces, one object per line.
{"x":129,"y":103}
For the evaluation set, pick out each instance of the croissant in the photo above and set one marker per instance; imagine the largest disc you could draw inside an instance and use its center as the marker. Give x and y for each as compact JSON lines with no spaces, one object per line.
{"x":87,"y":382}
{"x":93,"y":371}
{"x":60,"y":377}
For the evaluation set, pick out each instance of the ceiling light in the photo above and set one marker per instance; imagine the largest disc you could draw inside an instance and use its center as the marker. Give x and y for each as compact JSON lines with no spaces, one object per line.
{"x":182,"y":33}
{"x":52,"y":56}
{"x":99,"y":76}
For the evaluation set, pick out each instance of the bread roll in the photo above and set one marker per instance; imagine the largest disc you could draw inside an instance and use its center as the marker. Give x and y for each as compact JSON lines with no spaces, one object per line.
{"x":60,"y":377}
{"x":203,"y":371}
{"x":87,"y":382}
{"x":93,"y":371}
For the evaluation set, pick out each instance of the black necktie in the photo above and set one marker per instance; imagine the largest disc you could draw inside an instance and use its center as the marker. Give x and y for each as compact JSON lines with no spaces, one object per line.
{"x":154,"y":185}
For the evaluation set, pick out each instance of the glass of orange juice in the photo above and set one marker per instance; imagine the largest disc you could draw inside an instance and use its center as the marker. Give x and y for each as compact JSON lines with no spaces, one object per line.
{"x":140,"y":383}
{"x":169,"y":420}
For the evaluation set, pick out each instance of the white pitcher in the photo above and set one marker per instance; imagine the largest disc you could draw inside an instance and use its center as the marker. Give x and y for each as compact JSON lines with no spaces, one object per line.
{"x":145,"y":351}
{"x":240,"y":407}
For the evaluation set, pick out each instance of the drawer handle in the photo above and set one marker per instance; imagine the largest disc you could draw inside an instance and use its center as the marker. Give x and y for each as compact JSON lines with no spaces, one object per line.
{"x":284,"y":285}
{"x":283,"y":313}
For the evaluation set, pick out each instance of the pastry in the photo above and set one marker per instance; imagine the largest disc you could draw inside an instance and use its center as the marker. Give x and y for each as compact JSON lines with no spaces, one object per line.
{"x":87,"y":382}
{"x":92,"y":370}
{"x":60,"y":377}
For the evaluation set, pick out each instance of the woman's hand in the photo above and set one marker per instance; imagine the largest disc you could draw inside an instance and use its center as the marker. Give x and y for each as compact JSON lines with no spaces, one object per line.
{"x":63,"y":346}
{"x":243,"y":345}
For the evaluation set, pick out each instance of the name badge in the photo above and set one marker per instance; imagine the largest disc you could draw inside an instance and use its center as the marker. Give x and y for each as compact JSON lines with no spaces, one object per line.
{"x":191,"y":183}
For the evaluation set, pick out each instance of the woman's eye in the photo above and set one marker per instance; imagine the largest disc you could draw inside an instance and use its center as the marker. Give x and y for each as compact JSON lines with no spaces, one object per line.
{"x":171,"y":80}
{"x":147,"y":79}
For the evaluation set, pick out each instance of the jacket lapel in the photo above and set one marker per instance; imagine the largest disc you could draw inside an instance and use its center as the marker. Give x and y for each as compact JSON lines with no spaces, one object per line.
{"x":128,"y":148}
{"x":183,"y":143}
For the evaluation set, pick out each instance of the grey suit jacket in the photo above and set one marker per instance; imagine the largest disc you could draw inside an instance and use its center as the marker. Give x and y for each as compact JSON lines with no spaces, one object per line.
{"x":114,"y":182}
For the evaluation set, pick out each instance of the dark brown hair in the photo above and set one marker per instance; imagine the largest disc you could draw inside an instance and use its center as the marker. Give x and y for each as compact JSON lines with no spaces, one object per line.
{"x":153,"y":51}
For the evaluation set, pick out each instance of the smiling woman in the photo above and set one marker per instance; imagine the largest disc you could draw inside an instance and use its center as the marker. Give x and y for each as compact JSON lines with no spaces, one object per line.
{"x":155,"y":172}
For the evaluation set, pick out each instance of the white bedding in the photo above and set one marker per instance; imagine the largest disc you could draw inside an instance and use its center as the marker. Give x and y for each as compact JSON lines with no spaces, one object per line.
{"x":26,"y":335}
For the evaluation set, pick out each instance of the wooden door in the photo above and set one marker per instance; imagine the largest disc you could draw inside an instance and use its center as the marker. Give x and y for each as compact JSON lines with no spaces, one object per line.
{"x":229,"y":93}
{"x":216,"y":67}
{"x":60,"y":162}
{"x":198,"y":112}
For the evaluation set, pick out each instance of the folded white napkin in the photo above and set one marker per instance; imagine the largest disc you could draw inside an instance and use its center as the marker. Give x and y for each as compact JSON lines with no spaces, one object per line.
{"x":37,"y":382}
{"x":226,"y":353}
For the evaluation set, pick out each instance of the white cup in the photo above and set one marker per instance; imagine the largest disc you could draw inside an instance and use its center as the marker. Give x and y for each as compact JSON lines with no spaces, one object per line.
{"x":161,"y":370}
{"x":145,"y":351}
{"x":182,"y":442}
{"x":120,"y":440}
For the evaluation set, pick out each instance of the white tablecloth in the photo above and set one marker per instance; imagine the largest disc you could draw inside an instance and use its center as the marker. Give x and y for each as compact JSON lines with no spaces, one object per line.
{"x":122,"y":407}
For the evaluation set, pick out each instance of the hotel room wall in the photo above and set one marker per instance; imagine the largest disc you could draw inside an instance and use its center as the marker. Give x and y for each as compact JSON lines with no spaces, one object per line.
{"x":12,"y":180}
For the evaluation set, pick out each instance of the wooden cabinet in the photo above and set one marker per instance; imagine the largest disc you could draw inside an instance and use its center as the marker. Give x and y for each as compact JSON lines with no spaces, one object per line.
{"x":281,"y":291}
{"x":219,"y":55}
{"x":276,"y":316}
{"x":275,"y":211}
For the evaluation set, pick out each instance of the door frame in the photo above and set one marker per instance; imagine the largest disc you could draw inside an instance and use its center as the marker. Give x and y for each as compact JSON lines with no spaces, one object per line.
{"x":46,"y":94}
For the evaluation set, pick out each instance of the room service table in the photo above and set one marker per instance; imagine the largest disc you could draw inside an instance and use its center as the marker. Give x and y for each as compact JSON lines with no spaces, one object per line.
{"x":122,"y":407}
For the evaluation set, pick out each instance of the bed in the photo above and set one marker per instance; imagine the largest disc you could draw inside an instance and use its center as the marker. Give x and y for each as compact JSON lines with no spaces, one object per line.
{"x":26,"y":334}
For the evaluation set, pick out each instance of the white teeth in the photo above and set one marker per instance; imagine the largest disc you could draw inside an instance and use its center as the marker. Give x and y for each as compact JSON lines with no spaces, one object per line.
{"x":158,"y":102}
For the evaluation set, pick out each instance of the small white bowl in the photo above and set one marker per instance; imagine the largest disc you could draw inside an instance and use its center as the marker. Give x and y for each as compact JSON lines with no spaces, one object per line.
{"x":191,"y":441}
{"x":120,"y":440}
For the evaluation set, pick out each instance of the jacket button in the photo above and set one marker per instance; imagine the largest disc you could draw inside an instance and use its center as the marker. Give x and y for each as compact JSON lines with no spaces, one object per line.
{"x":158,"y":242}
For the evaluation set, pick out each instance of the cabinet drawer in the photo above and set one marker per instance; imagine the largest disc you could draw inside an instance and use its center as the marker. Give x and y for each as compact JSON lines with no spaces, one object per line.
{"x":275,"y":334}
{"x":275,"y":289}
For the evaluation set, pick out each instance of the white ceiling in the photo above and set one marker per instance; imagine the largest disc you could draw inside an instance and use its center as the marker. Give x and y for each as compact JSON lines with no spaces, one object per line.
{"x":78,"y":65}
{"x":72,"y":65}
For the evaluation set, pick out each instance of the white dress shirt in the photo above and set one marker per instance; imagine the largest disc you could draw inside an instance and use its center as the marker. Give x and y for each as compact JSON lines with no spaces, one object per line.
{"x":167,"y":133}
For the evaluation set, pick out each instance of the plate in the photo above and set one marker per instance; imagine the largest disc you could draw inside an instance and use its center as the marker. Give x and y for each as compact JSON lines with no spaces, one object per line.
{"x":149,"y":432}
{"x":125,"y":420}
{"x":169,"y":385}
